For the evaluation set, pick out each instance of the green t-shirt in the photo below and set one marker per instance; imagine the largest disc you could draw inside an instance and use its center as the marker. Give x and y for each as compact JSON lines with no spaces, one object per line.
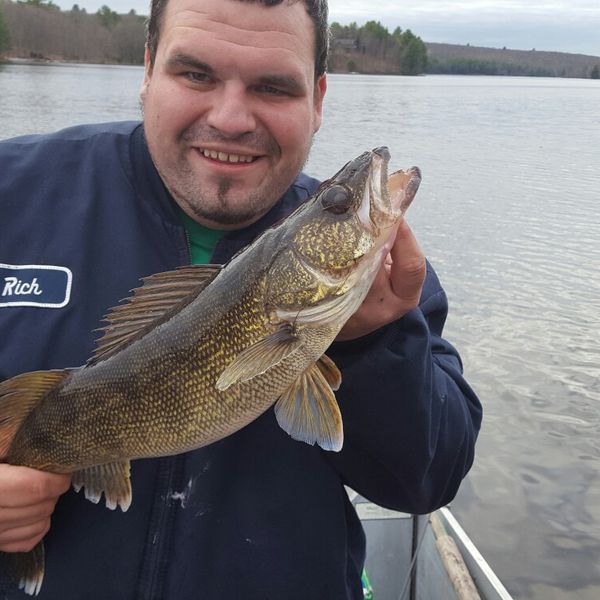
{"x":201,"y":240}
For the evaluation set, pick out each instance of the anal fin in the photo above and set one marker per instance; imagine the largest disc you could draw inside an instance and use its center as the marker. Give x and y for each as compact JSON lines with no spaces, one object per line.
{"x":309,"y":412}
{"x":110,"y":478}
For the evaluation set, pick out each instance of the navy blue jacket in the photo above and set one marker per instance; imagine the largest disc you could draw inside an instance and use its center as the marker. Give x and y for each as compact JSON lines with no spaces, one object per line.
{"x":83,"y":216}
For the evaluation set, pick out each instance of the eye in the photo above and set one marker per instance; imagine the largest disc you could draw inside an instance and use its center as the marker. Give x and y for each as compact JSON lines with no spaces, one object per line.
{"x":336,"y":200}
{"x":270,"y":90}
{"x":197,"y":77}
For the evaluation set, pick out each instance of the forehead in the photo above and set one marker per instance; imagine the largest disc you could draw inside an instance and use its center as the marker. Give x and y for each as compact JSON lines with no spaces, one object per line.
{"x":236,"y":25}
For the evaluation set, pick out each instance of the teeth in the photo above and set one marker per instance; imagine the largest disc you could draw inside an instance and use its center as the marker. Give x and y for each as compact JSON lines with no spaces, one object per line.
{"x":229,"y":158}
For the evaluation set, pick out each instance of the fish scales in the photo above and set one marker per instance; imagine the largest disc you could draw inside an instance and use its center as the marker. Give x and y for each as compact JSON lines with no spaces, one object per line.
{"x":193,"y":357}
{"x":126,"y":394}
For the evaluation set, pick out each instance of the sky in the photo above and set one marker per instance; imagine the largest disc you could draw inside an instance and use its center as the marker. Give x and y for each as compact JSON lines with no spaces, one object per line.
{"x":554,"y":25}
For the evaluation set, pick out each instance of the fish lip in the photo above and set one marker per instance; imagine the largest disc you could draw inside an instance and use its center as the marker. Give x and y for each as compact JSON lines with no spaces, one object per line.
{"x":383,"y":152}
{"x":386,"y":197}
{"x":402,"y":187}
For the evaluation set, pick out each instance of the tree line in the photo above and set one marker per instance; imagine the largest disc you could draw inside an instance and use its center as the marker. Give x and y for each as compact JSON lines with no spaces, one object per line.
{"x":472,"y":60}
{"x":371,"y":48}
{"x":38,"y":29}
{"x":473,"y":66}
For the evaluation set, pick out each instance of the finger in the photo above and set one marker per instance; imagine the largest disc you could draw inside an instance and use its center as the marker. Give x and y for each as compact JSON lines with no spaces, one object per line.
{"x":22,"y":486}
{"x":24,"y":539}
{"x":11,"y":518}
{"x":408,"y":269}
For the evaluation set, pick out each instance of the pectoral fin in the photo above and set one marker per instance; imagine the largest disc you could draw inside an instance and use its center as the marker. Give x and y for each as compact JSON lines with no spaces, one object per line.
{"x":309,"y":412}
{"x":111,"y":478}
{"x":260,"y":357}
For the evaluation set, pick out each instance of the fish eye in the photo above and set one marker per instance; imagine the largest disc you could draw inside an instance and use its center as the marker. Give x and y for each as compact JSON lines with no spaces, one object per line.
{"x":336,"y":200}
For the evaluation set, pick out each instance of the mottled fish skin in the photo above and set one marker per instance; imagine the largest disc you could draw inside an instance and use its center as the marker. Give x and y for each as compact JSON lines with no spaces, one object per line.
{"x":158,"y":395}
{"x":196,"y":354}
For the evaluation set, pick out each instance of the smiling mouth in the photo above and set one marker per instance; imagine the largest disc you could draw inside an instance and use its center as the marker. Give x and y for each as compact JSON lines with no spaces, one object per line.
{"x":227,"y":158}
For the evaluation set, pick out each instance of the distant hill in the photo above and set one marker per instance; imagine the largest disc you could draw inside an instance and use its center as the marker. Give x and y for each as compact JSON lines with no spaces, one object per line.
{"x":474,"y":60}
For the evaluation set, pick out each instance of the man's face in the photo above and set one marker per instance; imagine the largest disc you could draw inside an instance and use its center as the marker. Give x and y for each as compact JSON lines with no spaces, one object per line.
{"x":231,"y":105}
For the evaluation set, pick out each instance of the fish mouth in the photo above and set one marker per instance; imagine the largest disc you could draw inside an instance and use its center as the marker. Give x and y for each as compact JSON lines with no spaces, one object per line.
{"x":402,"y":187}
{"x":386,"y":198}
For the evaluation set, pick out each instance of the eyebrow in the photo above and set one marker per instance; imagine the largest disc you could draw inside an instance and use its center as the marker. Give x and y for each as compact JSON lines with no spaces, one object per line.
{"x":185,"y":60}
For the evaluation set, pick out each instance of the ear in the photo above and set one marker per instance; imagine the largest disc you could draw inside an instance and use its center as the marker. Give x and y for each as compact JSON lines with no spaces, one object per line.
{"x":320,"y":89}
{"x":147,"y":73}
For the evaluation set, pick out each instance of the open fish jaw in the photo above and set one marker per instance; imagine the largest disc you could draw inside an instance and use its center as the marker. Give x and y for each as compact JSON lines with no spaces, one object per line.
{"x":379,"y":205}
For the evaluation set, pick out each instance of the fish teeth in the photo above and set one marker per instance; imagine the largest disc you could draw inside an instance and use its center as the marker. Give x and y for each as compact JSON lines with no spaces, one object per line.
{"x":228,"y":158}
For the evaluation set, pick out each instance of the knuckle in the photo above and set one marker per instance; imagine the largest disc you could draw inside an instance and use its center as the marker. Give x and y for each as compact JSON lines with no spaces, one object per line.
{"x":39,"y":529}
{"x":40,"y":489}
{"x":415,"y":267}
{"x":46,"y":486}
{"x":45,"y":527}
{"x":47,"y":508}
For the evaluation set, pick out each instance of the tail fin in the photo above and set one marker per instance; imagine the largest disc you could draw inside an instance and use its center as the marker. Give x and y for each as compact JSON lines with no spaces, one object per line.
{"x":27,"y":568}
{"x":19,"y":396}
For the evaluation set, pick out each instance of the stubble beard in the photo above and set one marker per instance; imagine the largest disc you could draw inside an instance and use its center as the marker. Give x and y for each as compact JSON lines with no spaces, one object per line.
{"x":221,"y":207}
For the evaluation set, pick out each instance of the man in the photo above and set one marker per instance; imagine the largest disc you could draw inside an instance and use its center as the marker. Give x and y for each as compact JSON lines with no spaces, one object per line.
{"x":232,"y":96}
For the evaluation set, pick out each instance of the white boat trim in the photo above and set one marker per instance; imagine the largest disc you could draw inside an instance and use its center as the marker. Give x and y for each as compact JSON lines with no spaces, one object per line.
{"x":486,"y":580}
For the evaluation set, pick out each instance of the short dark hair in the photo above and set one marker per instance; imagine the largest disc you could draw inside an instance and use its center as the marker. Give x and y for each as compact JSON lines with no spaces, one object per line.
{"x":317,"y":10}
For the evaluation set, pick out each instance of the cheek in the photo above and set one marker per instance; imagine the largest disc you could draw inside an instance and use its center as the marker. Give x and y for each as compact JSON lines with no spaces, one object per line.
{"x":292,"y":131}
{"x":167,"y":108}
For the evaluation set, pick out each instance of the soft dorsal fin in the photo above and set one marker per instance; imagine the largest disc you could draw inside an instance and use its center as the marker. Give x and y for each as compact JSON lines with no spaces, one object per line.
{"x":149,"y":305}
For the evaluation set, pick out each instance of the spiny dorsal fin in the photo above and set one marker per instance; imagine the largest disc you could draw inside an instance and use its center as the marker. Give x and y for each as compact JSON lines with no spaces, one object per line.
{"x":19,"y":396}
{"x":110,"y":478}
{"x":309,"y":412}
{"x":149,"y":305}
{"x":260,"y":357}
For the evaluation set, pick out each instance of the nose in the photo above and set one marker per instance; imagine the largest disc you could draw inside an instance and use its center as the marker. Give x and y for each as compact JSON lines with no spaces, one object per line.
{"x":231,"y":111}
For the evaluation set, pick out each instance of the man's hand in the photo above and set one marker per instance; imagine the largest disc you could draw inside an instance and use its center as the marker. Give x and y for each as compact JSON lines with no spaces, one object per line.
{"x":27,"y":499}
{"x":395,"y":291}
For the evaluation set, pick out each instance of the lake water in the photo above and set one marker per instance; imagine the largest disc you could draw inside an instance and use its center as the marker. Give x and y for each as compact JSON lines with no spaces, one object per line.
{"x":508,"y":213}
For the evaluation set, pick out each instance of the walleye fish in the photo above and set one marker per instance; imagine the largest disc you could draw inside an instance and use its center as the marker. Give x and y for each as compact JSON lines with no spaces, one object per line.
{"x":198,"y":353}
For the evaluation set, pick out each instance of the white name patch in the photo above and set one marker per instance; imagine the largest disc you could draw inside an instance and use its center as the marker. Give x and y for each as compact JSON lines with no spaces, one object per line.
{"x":46,"y":286}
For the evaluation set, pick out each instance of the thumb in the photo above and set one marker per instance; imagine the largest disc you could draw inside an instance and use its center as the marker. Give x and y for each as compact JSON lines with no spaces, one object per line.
{"x":408,"y":269}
